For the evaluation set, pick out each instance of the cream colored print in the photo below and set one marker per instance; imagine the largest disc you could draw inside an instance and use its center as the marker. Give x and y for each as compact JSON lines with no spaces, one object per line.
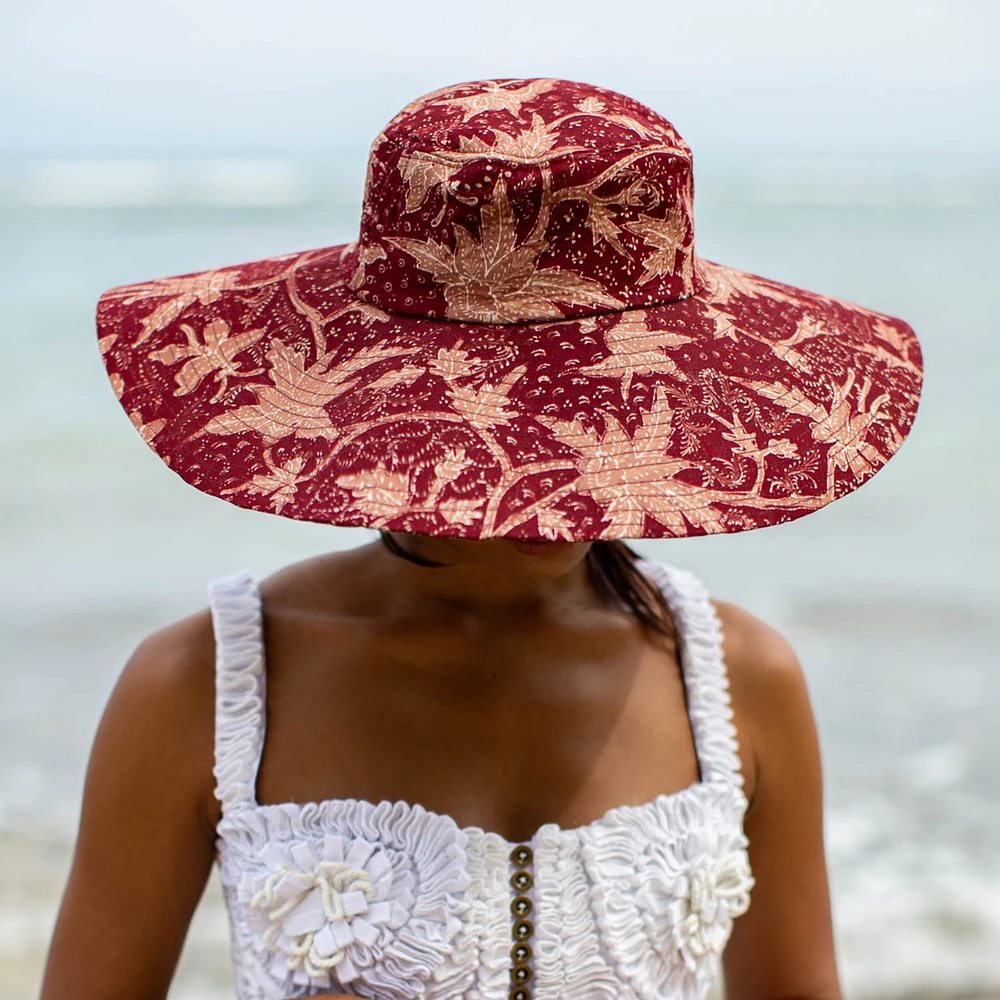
{"x":453,"y":363}
{"x":528,"y":145}
{"x":292,"y":404}
{"x":486,"y":406}
{"x":183,"y":292}
{"x":633,"y":477}
{"x":668,"y":236}
{"x":295,"y":401}
{"x":636,"y":350}
{"x":378,"y":493}
{"x":590,"y":106}
{"x":553,"y":524}
{"x":395,"y":379}
{"x":278,"y":484}
{"x":497,"y":97}
{"x":368,"y":254}
{"x":843,"y":427}
{"x":726,"y":283}
{"x":458,"y":510}
{"x":496,"y":281}
{"x":212,"y":353}
{"x":147,"y":431}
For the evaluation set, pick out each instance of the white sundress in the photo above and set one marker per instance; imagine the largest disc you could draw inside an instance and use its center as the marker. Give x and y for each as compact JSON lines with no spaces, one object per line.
{"x":391,"y":900}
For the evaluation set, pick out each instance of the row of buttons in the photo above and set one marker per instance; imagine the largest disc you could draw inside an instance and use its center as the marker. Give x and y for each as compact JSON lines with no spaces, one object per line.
{"x":520,"y":908}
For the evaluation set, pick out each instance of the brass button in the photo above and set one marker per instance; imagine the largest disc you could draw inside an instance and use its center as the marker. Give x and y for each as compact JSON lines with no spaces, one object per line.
{"x":520,"y":974}
{"x":520,"y":993}
{"x":522,"y":881}
{"x":521,"y":855}
{"x":523,"y":929}
{"x":520,"y":953}
{"x":520,"y":906}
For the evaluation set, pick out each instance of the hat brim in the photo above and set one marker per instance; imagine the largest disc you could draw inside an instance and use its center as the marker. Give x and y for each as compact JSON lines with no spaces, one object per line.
{"x":272,"y":386}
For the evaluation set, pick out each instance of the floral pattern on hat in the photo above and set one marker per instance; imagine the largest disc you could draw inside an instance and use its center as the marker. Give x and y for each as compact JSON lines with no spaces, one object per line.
{"x":521,"y":343}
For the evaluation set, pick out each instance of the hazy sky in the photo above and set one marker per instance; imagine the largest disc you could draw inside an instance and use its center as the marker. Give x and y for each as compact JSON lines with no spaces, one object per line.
{"x":285,"y":76}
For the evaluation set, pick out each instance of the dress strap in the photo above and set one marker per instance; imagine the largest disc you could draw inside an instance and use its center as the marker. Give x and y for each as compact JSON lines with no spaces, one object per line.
{"x":706,"y":681}
{"x":240,"y":688}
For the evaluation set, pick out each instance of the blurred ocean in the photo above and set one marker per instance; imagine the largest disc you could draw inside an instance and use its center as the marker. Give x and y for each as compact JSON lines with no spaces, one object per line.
{"x":891,"y":596}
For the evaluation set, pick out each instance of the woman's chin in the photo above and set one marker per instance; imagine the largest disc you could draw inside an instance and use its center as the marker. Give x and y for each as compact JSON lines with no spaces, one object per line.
{"x":540,"y":547}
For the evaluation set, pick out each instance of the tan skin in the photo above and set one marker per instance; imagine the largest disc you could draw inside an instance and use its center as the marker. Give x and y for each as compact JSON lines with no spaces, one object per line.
{"x":382,"y":669}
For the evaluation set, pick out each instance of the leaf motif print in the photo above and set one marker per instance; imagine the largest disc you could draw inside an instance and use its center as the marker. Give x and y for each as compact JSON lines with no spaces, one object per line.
{"x":602,"y":221}
{"x":292,"y":404}
{"x":458,"y":510}
{"x":590,"y":106}
{"x":213,"y":354}
{"x":183,"y":292}
{"x":497,"y":96}
{"x":395,"y":379}
{"x":527,"y":145}
{"x":668,"y":236}
{"x":449,"y":468}
{"x":422,"y":175}
{"x":845,"y":426}
{"x":496,"y":281}
{"x":636,"y":350}
{"x":487,"y":406}
{"x":453,"y":363}
{"x":633,"y":477}
{"x":278,"y":484}
{"x":378,"y":493}
{"x":295,"y":401}
{"x":726,"y":283}
{"x":553,"y":524}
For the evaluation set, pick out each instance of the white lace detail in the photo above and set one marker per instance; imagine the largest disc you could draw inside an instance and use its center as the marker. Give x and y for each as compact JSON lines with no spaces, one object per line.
{"x":240,"y":688}
{"x":393,"y":900}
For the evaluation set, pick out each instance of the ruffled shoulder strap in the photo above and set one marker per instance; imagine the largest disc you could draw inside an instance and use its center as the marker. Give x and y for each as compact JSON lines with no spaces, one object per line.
{"x":240,"y":689}
{"x":706,"y":681}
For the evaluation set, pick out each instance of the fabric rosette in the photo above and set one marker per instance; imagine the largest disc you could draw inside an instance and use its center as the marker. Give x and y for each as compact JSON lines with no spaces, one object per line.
{"x":701,"y":902}
{"x":668,"y":883}
{"x":327,"y":912}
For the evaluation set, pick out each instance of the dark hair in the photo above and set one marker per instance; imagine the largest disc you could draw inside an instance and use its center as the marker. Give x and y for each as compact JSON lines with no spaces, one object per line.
{"x":611,"y":569}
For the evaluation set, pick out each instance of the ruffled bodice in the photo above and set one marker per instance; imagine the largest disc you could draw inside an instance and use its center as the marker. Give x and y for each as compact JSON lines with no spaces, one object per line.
{"x":392,"y":900}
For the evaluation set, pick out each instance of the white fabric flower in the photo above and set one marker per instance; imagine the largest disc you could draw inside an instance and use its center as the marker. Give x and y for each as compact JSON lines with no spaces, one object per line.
{"x":324,"y":908}
{"x":705,"y":901}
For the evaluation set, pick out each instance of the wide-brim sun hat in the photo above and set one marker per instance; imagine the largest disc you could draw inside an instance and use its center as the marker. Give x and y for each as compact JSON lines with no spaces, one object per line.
{"x":522,"y":342}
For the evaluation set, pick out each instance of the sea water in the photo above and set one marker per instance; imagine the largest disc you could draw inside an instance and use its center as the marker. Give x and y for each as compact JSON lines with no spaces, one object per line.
{"x":890,"y":596}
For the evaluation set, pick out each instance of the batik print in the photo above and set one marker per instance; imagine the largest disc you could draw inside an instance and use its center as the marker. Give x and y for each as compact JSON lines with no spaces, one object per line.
{"x":521,"y":342}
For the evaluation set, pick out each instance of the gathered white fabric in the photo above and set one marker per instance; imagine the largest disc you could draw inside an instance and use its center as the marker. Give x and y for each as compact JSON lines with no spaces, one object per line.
{"x":391,"y":900}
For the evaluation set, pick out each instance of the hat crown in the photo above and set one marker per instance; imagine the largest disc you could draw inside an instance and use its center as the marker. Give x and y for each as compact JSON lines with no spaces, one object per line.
{"x":516,"y":201}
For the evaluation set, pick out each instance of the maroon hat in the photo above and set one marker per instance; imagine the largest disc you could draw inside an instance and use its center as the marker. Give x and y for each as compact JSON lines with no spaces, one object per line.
{"x":522,"y":342}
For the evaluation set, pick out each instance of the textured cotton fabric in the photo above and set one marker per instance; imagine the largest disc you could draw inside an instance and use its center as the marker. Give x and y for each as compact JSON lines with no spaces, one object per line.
{"x":522,"y":342}
{"x":391,"y":900}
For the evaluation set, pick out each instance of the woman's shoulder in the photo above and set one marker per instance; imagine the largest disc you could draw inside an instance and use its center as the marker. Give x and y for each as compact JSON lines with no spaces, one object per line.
{"x":768,"y":691}
{"x":162,"y":709}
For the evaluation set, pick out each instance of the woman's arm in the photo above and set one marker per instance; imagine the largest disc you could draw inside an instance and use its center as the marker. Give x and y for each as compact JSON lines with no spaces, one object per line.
{"x":146,"y":839}
{"x":782,"y":947}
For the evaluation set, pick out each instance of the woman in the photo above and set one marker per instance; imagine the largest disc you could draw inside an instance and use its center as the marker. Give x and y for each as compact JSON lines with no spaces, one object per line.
{"x":504,"y":756}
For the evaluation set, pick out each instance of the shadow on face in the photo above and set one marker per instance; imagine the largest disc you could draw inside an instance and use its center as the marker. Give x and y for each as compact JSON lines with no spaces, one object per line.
{"x":513,"y":557}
